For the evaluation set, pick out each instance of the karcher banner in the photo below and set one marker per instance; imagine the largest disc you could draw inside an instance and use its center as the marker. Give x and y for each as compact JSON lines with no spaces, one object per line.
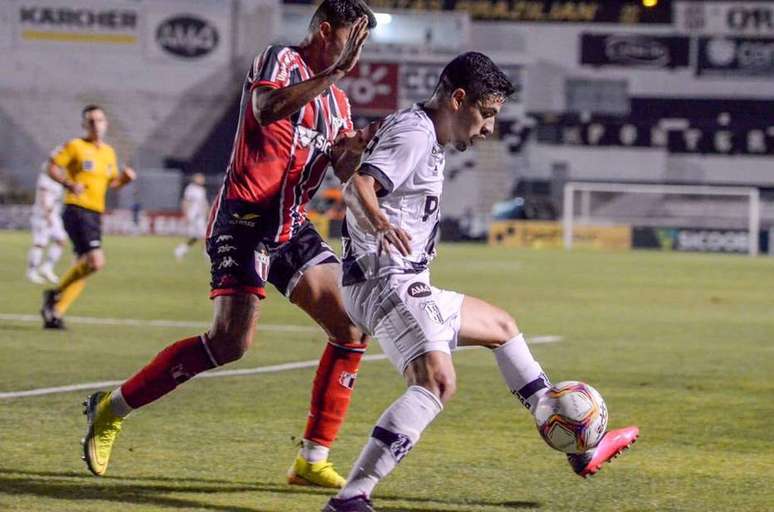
{"x":85,"y":21}
{"x":540,"y":235}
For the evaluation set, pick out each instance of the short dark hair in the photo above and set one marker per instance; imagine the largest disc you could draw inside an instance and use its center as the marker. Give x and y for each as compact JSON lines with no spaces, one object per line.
{"x":90,"y":108}
{"x":342,"y":12}
{"x":477,"y":75}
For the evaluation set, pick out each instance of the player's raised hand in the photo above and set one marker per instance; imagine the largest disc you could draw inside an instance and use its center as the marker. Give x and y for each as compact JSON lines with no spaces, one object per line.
{"x":393,"y":236}
{"x":129,"y":174}
{"x":354,"y":45}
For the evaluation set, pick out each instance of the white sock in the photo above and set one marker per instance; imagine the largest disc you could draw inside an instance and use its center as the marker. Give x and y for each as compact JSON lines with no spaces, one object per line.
{"x":54,"y":253}
{"x":34,"y":257}
{"x":396,"y":432}
{"x":523,"y":375}
{"x":313,"y":452}
{"x":118,"y":405}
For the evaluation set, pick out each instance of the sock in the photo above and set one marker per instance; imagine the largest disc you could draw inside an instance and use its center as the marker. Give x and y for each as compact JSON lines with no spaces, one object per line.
{"x":332,"y":391}
{"x":68,"y":295}
{"x":314,"y":452}
{"x":118,"y":405}
{"x":79,"y":270}
{"x":54,"y":253}
{"x":523,"y":375}
{"x":191,"y":241}
{"x":34,"y":257}
{"x":171,"y":367}
{"x":394,"y":435}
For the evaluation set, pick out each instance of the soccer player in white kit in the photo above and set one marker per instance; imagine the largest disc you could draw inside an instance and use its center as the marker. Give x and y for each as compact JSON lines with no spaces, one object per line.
{"x":388,"y":242}
{"x":47,"y":231}
{"x":195,"y":208}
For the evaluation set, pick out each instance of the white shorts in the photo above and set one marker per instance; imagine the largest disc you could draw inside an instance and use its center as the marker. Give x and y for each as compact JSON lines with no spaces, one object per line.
{"x":196,"y":227}
{"x":45,"y":230}
{"x":406,"y":314}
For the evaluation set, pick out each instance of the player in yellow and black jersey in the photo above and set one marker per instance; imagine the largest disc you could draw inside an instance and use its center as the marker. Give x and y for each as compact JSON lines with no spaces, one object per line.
{"x":86,"y":167}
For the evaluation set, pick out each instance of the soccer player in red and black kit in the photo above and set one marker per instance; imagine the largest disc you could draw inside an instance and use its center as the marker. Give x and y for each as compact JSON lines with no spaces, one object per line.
{"x":294,"y":123}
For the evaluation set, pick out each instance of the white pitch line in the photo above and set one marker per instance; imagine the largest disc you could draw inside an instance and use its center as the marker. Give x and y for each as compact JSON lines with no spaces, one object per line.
{"x":156,"y":323}
{"x":225,"y":373}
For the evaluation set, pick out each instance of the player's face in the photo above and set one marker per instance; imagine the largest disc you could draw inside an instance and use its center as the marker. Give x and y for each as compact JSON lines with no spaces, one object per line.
{"x":95,"y":123}
{"x":334,"y":39}
{"x":474,"y":121}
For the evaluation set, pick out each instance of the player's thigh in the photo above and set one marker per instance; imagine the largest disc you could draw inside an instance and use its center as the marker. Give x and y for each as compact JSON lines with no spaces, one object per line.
{"x":233,"y":325}
{"x":318,"y":293}
{"x":484,"y":324}
{"x":410,"y":318}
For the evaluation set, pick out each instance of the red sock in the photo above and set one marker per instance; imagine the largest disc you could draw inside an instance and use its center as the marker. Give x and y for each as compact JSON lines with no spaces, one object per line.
{"x":172,"y":366}
{"x":332,"y":391}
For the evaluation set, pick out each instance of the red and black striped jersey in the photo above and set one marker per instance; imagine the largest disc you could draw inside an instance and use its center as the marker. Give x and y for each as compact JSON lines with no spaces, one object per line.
{"x":283,"y":163}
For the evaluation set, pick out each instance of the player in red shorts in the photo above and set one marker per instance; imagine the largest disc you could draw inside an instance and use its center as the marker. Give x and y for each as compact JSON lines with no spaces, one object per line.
{"x":294,"y":123}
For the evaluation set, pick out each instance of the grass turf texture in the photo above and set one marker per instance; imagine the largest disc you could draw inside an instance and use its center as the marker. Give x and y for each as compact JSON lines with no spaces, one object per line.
{"x":679,"y":344}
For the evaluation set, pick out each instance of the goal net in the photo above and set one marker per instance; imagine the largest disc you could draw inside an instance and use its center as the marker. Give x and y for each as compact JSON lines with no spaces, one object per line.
{"x":711,"y":218}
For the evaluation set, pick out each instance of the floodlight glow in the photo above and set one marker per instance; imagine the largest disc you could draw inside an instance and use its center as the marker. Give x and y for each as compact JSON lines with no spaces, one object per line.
{"x":382,"y":18}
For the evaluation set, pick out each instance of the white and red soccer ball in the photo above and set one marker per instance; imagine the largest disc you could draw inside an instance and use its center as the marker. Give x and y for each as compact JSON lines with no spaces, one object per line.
{"x":571,"y":417}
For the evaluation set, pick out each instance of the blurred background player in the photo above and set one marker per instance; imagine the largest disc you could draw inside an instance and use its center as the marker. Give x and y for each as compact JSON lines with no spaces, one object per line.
{"x":47,"y":230}
{"x":294,"y":123}
{"x":386,"y":275}
{"x":85,"y":167}
{"x":195,"y":208}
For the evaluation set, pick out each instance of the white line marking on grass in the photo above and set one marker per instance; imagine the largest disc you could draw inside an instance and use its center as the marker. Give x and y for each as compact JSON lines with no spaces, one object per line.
{"x":536,"y":340}
{"x":156,"y":323}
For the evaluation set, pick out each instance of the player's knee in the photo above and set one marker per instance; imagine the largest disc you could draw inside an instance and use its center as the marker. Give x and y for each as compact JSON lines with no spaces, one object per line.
{"x":95,"y":261}
{"x":228,"y":345}
{"x":349,"y":333}
{"x":445,"y":384}
{"x":440,"y":383}
{"x":504,"y":328}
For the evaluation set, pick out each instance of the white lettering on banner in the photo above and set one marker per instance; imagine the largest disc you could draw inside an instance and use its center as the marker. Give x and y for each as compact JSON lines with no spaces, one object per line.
{"x":187,"y":36}
{"x":725,"y":18}
{"x":193,"y":34}
{"x":713,"y":241}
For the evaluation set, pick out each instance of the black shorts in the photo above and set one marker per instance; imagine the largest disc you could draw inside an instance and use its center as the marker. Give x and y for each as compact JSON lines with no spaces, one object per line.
{"x":244,"y":256}
{"x":84,"y":227}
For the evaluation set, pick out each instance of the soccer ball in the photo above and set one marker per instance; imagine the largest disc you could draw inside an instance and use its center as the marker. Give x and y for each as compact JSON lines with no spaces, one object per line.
{"x":571,"y":417}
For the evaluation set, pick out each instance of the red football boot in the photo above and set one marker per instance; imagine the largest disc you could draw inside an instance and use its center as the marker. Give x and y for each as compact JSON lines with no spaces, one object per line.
{"x":611,"y":445}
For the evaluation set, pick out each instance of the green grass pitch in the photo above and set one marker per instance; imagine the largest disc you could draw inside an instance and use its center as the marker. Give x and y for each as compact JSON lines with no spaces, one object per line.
{"x":681,"y":345}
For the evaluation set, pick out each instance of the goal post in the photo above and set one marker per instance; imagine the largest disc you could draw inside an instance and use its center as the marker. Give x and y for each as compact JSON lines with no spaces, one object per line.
{"x":582,"y":211}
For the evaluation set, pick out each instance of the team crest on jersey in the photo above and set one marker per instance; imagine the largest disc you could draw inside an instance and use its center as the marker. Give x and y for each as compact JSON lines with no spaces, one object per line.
{"x":262,"y":261}
{"x":88,"y":165}
{"x":419,"y":290}
{"x":433,"y":311}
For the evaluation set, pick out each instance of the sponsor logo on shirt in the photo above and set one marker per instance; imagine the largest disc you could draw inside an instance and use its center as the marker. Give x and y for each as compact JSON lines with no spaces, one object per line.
{"x":418,"y":290}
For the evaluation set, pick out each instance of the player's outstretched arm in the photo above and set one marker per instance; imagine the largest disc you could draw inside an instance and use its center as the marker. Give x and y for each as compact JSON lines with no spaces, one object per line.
{"x":270,"y":105}
{"x":360,"y":197}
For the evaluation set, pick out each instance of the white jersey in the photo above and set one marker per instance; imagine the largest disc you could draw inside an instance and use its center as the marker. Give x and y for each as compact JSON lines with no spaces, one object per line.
{"x":196,"y":197}
{"x":48,"y":197}
{"x":406,"y":160}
